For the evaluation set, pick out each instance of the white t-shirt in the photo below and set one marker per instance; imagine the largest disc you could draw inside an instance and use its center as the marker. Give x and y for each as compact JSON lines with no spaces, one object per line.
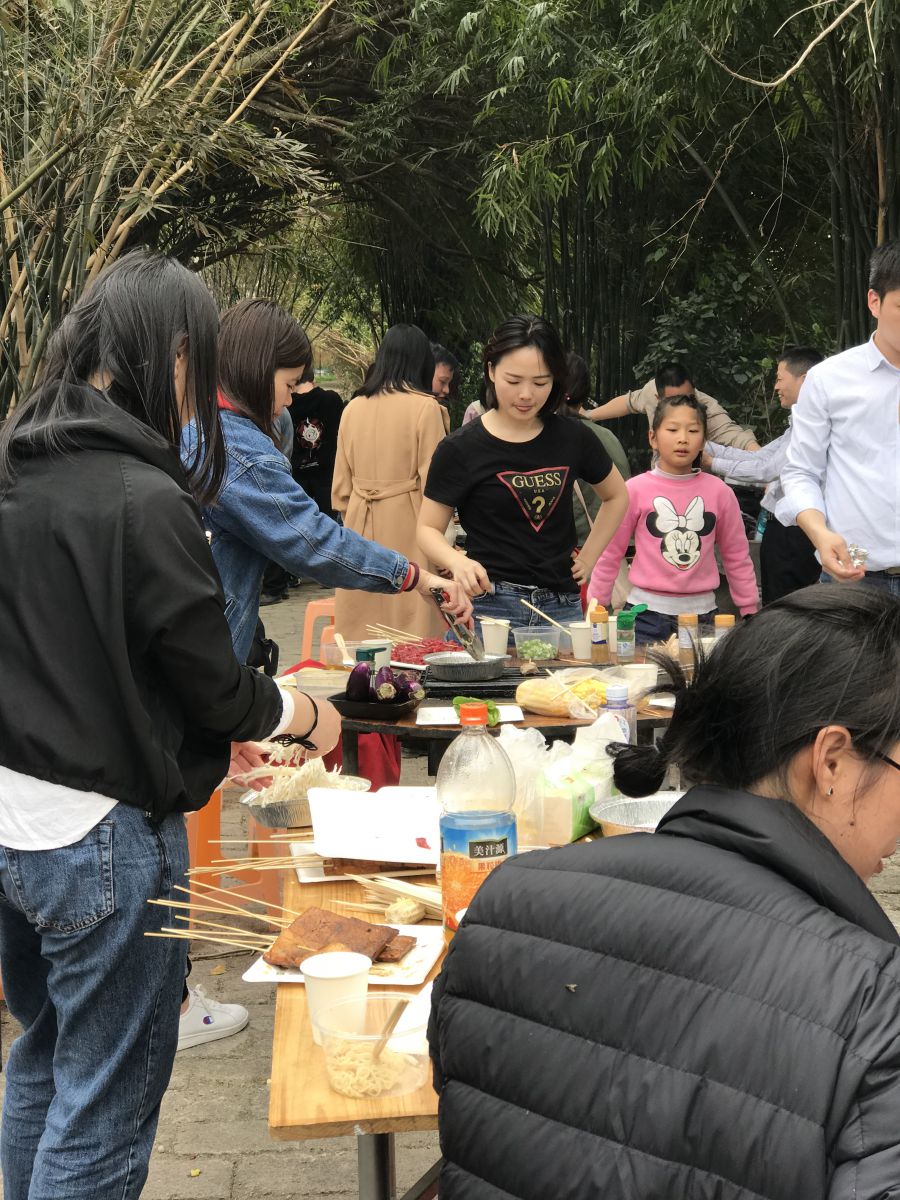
{"x":38,"y":815}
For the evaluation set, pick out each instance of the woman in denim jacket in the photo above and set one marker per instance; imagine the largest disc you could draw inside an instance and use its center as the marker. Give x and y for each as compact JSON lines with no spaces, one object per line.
{"x":261,"y":513}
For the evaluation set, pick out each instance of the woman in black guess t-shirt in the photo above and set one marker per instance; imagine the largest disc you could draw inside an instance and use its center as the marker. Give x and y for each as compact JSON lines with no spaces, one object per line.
{"x":510,"y":476}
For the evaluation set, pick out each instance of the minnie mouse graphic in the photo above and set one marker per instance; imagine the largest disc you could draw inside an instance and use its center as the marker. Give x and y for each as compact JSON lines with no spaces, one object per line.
{"x":680,"y":533}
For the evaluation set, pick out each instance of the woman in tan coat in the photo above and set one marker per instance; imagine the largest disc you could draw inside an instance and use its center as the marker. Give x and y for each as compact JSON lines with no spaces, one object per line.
{"x":388,"y":434}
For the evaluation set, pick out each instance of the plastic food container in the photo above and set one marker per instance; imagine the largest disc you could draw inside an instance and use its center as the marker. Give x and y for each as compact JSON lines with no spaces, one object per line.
{"x":638,"y":676}
{"x":536,"y":643}
{"x":349,"y":1034}
{"x":625,"y":815}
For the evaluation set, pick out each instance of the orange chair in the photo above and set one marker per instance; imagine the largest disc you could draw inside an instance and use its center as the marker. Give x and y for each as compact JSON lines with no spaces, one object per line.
{"x":204,"y":829}
{"x":314,"y":610}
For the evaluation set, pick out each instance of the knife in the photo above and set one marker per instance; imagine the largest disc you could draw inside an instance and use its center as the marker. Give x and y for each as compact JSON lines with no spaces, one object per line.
{"x":467,"y":638}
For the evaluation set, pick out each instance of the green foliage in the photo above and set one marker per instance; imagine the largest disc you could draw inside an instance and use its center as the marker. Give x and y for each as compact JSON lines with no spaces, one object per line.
{"x":720,"y":330}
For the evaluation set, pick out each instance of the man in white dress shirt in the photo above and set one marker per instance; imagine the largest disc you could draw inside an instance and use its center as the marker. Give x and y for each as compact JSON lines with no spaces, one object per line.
{"x":786,"y":558}
{"x":842,"y":478}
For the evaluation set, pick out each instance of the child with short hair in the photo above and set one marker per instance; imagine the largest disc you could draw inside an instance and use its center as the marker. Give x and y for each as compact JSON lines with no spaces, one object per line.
{"x":678,"y":515}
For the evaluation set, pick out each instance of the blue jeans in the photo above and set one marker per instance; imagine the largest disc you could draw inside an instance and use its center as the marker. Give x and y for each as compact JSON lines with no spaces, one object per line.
{"x":98,"y":1005}
{"x":876,"y":579}
{"x":505,"y":602}
{"x":651,"y":627}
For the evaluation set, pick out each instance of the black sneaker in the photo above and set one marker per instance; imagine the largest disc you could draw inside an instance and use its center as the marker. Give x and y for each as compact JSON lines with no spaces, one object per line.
{"x":272,"y":598}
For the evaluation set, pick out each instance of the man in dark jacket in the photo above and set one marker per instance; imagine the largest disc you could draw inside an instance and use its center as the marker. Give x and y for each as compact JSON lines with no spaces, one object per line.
{"x":588,"y":1044}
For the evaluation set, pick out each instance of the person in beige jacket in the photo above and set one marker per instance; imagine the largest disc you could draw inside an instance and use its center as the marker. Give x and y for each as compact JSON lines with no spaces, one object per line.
{"x":673,"y":379}
{"x":387,"y":436}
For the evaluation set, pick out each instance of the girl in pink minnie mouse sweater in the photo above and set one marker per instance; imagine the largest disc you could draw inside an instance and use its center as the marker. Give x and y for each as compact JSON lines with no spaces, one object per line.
{"x":678,"y":515}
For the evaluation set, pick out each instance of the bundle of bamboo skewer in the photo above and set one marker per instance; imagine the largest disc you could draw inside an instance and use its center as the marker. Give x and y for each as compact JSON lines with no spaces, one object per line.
{"x":232,"y":935}
{"x":379,"y":889}
{"x":394,"y":635}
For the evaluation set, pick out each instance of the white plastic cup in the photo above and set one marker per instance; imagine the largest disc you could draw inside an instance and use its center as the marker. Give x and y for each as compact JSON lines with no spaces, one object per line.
{"x":331,"y":977}
{"x":495,"y":636}
{"x":383,"y":650}
{"x":580,"y":634}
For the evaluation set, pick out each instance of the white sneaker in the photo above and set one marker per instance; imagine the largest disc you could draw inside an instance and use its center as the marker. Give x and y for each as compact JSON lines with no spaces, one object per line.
{"x":206,"y":1020}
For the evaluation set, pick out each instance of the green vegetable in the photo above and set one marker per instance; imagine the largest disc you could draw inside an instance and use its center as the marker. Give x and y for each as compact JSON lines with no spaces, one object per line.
{"x":493,"y":712}
{"x":535,"y":648}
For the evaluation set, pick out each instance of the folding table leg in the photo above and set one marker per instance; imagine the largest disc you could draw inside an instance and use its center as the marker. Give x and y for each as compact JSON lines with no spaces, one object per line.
{"x":425,"y":1188}
{"x":375,"y":1166}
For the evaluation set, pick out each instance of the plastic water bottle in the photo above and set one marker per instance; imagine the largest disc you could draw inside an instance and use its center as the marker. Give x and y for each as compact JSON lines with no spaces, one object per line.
{"x":476,"y":789}
{"x":619,"y":706}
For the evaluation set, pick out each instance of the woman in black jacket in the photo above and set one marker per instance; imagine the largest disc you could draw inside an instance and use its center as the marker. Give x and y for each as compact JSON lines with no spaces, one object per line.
{"x":711,"y":1011}
{"x":121,"y":702}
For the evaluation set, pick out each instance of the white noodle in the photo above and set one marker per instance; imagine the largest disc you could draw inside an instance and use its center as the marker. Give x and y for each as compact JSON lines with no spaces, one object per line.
{"x":353,"y":1071}
{"x":292,"y":776}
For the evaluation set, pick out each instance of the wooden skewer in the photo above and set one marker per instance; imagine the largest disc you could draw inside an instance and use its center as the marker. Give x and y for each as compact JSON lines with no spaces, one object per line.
{"x":241,"y":896}
{"x":246,"y":934}
{"x":183,"y":935}
{"x":385,"y":630}
{"x":203,"y":896}
{"x":282,"y":837}
{"x":389,"y":1028}
{"x":222,"y":912}
{"x":543,"y":614}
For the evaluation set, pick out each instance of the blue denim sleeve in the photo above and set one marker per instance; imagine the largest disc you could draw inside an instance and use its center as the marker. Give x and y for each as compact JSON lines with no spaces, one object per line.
{"x":263,"y":505}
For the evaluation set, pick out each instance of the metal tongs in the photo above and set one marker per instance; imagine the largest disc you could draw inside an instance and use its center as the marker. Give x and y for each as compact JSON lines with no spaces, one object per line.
{"x":467,"y":639}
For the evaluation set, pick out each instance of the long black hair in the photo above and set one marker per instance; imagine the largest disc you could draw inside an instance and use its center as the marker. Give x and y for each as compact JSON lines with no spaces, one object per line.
{"x":127,"y":328}
{"x":578,"y":381}
{"x":404,"y":363}
{"x":826,"y":655}
{"x":256,"y":339}
{"x":516,"y":333}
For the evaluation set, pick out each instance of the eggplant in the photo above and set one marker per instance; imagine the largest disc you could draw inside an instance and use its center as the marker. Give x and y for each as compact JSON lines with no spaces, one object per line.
{"x":384,"y":686}
{"x":408,"y":688}
{"x":358,"y":683}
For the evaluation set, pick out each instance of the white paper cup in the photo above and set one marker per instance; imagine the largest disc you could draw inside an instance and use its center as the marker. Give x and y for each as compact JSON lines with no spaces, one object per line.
{"x":383,"y":650}
{"x":580,"y":633}
{"x":332,"y":977}
{"x":495,"y":636}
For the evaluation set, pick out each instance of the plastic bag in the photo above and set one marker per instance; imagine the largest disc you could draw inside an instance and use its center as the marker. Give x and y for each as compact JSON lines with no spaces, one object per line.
{"x":573,"y":692}
{"x":573,"y":780}
{"x":526,"y":750}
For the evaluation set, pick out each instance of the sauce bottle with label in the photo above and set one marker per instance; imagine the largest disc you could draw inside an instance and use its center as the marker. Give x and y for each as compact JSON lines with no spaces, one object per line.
{"x":476,"y":789}
{"x":598,"y":617}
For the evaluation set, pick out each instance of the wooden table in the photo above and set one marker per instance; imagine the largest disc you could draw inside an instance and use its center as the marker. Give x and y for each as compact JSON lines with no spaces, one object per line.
{"x":438,"y":737}
{"x":301,"y":1102}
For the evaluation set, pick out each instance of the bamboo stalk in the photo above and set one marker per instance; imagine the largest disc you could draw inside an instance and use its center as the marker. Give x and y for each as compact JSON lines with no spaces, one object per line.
{"x":105,"y":254}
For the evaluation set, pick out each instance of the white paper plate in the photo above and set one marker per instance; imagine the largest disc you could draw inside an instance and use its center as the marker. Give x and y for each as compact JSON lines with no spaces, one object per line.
{"x":412,"y":971}
{"x":441,"y":714}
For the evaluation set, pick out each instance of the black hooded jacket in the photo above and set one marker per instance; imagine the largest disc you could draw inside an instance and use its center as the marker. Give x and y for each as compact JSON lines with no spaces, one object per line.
{"x":116,"y":668}
{"x":711,"y":1011}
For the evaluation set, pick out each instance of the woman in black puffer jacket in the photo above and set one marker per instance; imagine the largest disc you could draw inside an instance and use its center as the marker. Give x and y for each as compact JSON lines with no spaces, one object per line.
{"x":712,"y":1011}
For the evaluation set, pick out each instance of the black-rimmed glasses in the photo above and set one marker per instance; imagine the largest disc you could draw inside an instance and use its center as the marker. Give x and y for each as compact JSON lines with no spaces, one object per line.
{"x":886,"y":758}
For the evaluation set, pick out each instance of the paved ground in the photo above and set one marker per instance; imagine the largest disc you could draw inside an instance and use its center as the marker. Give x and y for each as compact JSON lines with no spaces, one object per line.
{"x":214,"y":1115}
